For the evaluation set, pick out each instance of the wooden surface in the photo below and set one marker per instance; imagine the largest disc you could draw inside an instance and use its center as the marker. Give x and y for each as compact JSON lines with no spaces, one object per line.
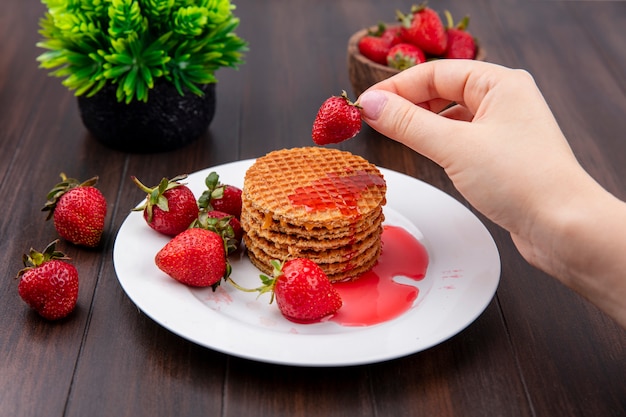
{"x":538,"y":349}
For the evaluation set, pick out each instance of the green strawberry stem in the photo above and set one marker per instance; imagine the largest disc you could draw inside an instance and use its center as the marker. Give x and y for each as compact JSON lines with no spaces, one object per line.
{"x":63,"y":187}
{"x":34,"y":258}
{"x":350,"y":103}
{"x":267,"y":283}
{"x":155,"y":194}
{"x":214,"y":190}
{"x":462,"y":25}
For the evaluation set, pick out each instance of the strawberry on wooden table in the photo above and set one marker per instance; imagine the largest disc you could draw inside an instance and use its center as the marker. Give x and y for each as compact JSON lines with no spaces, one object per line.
{"x":78,"y":209}
{"x":338,"y":119}
{"x":461,"y":44}
{"x":423,"y":28}
{"x":170,"y":207}
{"x":195,"y":257}
{"x":48,"y":283}
{"x":302,"y":290}
{"x":221,"y":197}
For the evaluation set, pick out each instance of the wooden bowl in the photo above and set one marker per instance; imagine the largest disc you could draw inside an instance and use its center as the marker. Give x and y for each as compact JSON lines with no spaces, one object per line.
{"x":364,"y":72}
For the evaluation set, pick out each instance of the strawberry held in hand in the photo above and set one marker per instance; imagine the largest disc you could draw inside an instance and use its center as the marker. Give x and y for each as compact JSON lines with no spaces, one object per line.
{"x":302,"y":291}
{"x":49,"y":284}
{"x":170,"y":207}
{"x":195,"y":257}
{"x":338,"y":119}
{"x":78,"y":209}
{"x":221,"y":197}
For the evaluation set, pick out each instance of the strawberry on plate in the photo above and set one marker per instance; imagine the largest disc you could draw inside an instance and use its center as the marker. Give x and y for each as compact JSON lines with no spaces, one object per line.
{"x":224,"y":224}
{"x":423,"y":28}
{"x":405,"y":55}
{"x":220,"y":197}
{"x":195,"y":257}
{"x":338,"y":119}
{"x":48,"y":283}
{"x":302,"y":290}
{"x":78,"y":209}
{"x":170,"y":207}
{"x":461,"y":44}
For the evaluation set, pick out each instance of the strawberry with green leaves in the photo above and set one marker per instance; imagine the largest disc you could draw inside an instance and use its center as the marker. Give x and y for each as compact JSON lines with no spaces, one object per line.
{"x":392,"y":34}
{"x":170,"y":207}
{"x":48,"y":283}
{"x":461,"y":44}
{"x":195,"y":257}
{"x":220,"y":197}
{"x":302,"y":291}
{"x":405,"y":55}
{"x":423,"y":28}
{"x":338,"y":119}
{"x":375,"y":44}
{"x":78,"y":209}
{"x":224,"y":224}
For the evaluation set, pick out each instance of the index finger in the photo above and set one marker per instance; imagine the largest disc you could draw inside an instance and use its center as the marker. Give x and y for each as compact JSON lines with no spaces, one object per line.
{"x":435,"y":84}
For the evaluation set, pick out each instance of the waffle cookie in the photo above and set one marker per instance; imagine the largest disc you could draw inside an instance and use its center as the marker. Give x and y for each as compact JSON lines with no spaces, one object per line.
{"x":319,"y":203}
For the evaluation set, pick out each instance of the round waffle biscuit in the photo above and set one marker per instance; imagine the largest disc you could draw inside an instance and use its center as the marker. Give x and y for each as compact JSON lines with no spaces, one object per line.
{"x":283,"y":251}
{"x":301,"y":238}
{"x":337,"y":272}
{"x":268,"y":226}
{"x":318,"y":203}
{"x":314,"y":187}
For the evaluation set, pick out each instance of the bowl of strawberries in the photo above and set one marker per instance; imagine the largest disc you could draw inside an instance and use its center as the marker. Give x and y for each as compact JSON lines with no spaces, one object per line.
{"x":381,"y":51}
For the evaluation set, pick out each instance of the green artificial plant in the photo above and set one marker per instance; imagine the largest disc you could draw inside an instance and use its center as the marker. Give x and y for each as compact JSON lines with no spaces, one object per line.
{"x":132,"y":43}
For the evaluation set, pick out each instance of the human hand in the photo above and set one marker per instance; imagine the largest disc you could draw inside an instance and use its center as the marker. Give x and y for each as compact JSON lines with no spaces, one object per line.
{"x":500,"y":144}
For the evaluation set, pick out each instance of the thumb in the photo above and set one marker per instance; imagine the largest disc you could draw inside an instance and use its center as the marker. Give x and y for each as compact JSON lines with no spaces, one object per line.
{"x":397,"y":118}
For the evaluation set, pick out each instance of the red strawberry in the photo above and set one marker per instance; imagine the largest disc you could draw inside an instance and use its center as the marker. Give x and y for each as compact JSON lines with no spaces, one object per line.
{"x":423,"y":28}
{"x":461,"y":44}
{"x":78,"y":209}
{"x":195,"y":257}
{"x":302,"y":291}
{"x":338,"y":119}
{"x":405,"y":55}
{"x":221,"y":197}
{"x":374,"y":48}
{"x":49,"y":284}
{"x":170,"y":207}
{"x":224,"y":224}
{"x":393,"y":34}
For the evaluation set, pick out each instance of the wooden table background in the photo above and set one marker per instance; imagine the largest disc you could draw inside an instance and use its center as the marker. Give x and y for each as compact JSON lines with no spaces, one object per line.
{"x":538,"y":349}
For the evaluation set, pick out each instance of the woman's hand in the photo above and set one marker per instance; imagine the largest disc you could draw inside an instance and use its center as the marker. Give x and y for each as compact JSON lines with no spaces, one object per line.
{"x":491,"y":130}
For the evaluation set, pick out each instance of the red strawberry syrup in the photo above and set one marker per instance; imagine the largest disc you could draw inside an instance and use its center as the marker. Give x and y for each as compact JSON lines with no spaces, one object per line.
{"x":375,"y":297}
{"x":335,"y":192}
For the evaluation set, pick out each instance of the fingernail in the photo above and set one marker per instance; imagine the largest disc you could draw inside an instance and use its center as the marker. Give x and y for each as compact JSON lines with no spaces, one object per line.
{"x":372,"y":104}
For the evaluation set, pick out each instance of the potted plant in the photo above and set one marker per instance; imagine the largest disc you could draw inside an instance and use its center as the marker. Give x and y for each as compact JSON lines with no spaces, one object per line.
{"x":143,"y":70}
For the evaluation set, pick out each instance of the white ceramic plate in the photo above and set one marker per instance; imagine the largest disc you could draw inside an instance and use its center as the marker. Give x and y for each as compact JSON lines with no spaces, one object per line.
{"x":462,"y":277}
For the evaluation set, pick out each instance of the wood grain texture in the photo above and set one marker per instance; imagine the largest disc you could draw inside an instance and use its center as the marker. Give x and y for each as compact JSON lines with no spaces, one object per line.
{"x":537,"y":350}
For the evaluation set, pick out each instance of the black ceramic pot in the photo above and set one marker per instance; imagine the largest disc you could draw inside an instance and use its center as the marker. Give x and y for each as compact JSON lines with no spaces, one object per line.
{"x":167,"y":121}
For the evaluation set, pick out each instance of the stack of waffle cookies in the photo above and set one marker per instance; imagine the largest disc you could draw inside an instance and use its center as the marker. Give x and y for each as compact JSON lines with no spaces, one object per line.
{"x":318,"y":203}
